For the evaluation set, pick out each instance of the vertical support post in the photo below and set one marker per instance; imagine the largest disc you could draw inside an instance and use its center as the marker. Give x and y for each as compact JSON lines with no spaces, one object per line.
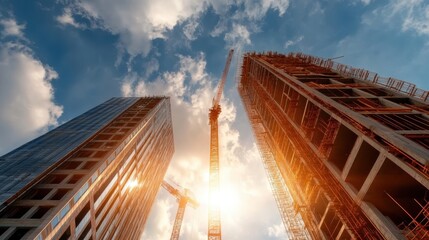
{"x":371,"y":176}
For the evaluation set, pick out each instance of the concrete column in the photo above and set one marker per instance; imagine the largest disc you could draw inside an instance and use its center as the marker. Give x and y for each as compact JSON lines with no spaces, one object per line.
{"x":352,"y":157}
{"x":92,"y":212}
{"x":340,"y":232}
{"x":371,"y":176}
{"x":303,"y":114}
{"x":324,"y":215}
{"x":72,"y":229}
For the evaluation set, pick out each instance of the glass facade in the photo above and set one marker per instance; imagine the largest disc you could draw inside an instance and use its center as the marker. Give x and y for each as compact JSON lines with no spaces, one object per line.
{"x":24,"y":164}
{"x":95,"y":176}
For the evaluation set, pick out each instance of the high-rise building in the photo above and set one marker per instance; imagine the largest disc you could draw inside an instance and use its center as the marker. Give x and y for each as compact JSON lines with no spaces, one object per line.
{"x":95,"y":177}
{"x":351,"y":146}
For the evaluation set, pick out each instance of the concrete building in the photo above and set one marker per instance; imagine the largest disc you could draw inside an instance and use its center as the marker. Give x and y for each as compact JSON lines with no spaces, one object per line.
{"x":95,"y":177}
{"x":352,"y":147}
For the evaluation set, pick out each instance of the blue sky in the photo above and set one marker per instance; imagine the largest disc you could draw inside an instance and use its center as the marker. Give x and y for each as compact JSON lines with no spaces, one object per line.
{"x":59,"y":58}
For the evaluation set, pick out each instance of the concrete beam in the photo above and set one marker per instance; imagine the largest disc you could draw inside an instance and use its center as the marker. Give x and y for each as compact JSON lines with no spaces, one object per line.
{"x":71,"y":171}
{"x":402,"y":132}
{"x":384,"y":225}
{"x":57,"y":186}
{"x":47,"y":203}
{"x":19,"y":222}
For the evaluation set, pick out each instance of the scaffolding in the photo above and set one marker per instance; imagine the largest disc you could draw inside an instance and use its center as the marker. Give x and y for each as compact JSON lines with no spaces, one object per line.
{"x":418,"y":227}
{"x":291,"y":219}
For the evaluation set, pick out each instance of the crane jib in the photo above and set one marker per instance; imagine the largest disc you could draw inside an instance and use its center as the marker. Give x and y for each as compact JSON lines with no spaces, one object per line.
{"x":221,"y":85}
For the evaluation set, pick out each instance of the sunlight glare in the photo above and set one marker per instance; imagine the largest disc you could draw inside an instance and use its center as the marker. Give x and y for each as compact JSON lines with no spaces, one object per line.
{"x":227,"y":199}
{"x":131,"y":184}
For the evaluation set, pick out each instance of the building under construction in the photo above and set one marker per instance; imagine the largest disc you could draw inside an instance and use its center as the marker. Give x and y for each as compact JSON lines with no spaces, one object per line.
{"x":346,"y":150}
{"x":94,"y":177}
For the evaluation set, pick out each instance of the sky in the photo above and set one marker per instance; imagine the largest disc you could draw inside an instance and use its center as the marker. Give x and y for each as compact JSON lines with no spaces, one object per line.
{"x":60,"y":58}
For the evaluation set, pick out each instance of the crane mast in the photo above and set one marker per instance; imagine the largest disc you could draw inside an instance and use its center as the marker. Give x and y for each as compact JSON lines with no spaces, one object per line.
{"x":183,"y":198}
{"x":214,"y":222}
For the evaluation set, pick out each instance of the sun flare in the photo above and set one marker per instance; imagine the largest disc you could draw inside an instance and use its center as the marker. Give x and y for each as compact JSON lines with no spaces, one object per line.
{"x":226,"y":199}
{"x":131,"y":184}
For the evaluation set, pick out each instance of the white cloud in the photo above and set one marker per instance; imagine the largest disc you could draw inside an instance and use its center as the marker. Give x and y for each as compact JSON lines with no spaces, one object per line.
{"x":366,"y":2}
{"x":127,"y":84}
{"x":258,"y":9}
{"x":239,"y":24}
{"x":162,"y":212}
{"x":280,"y":6}
{"x":417,"y":17}
{"x":252,"y":9}
{"x":194,"y":67}
{"x":412,"y":15}
{"x":277,"y":230}
{"x":12,"y":28}
{"x":242,"y":22}
{"x":220,"y":28}
{"x":170,"y":83}
{"x":151,"y":67}
{"x":26,"y":96}
{"x":191,"y":90}
{"x":238,"y":37}
{"x":290,"y":43}
{"x":190,"y":28}
{"x":138,"y":22}
{"x":317,"y":9}
{"x":67,"y":19}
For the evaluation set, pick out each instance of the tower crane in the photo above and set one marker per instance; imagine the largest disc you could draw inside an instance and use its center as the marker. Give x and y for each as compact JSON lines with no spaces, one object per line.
{"x":183,"y":197}
{"x":214,"y":225}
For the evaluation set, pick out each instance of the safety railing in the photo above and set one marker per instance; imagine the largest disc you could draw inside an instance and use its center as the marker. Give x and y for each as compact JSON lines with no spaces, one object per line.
{"x":365,"y":75}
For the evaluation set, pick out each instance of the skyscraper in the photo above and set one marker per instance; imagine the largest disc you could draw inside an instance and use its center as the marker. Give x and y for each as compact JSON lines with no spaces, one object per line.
{"x":95,"y":177}
{"x":352,"y":147}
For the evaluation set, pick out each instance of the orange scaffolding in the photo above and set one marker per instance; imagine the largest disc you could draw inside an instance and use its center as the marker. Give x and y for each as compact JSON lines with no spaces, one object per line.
{"x":292,"y":221}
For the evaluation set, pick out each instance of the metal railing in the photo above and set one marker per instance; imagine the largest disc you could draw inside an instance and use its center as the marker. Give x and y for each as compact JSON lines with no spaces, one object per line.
{"x":390,"y":83}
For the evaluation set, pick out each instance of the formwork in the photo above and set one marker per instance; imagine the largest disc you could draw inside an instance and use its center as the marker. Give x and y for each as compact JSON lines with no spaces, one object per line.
{"x":352,"y":146}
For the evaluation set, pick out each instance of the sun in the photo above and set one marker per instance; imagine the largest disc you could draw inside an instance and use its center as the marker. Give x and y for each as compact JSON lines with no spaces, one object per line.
{"x":226,"y":199}
{"x":229,"y":200}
